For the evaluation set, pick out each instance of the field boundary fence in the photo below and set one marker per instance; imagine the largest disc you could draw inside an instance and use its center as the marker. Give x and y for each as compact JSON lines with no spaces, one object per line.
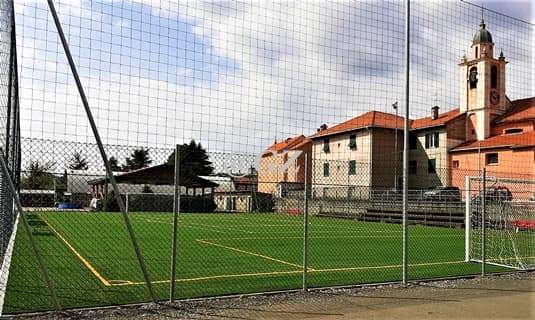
{"x":9,"y":138}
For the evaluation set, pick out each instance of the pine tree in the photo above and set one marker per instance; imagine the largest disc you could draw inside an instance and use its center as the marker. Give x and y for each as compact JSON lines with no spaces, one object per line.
{"x":138,"y":159}
{"x":194,"y":159}
{"x":38,"y":176}
{"x":78,"y":162}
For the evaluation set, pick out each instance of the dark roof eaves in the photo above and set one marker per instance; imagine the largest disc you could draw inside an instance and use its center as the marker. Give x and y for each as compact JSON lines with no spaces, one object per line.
{"x":316,"y":136}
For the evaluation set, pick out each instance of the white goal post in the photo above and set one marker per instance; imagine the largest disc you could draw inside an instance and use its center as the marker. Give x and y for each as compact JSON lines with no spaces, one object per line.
{"x":507,"y":234}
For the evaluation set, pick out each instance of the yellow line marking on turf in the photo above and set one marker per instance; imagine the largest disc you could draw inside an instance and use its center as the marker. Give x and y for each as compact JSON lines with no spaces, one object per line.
{"x":274,"y":273}
{"x":120,"y":282}
{"x":78,"y":255}
{"x":507,"y":259}
{"x":389,"y":266}
{"x":251,"y":253}
{"x":223,"y":276}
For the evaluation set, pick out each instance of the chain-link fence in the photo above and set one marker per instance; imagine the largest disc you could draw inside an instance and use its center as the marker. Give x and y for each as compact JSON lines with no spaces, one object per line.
{"x":9,"y":136}
{"x":257,"y":147}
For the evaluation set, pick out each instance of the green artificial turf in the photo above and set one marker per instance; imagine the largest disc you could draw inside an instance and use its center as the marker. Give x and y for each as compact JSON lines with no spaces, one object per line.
{"x":91,"y":261}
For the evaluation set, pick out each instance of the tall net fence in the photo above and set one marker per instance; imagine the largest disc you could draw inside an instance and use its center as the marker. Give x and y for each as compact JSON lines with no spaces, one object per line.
{"x":9,"y":133}
{"x":258,"y":146}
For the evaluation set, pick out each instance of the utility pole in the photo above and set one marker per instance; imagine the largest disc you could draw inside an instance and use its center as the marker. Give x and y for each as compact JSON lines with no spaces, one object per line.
{"x":396,"y":157}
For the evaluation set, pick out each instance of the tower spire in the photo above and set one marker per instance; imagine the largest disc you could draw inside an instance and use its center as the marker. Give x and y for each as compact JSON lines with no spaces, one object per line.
{"x":482,"y":23}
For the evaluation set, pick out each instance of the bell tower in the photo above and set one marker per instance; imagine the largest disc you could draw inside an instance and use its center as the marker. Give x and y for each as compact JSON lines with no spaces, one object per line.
{"x":482,"y":85}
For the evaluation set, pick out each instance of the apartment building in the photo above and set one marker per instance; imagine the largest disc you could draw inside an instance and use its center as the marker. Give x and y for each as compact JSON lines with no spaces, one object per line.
{"x":357,"y":154}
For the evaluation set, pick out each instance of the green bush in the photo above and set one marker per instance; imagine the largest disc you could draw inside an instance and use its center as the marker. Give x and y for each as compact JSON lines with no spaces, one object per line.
{"x":160,"y":203}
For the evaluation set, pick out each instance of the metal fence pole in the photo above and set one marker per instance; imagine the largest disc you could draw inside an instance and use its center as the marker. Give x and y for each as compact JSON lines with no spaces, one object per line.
{"x":305,"y":228}
{"x":176,"y":209}
{"x":33,"y":244}
{"x":109,"y":172}
{"x":467,"y":219}
{"x":406,"y":143}
{"x":483,"y":227}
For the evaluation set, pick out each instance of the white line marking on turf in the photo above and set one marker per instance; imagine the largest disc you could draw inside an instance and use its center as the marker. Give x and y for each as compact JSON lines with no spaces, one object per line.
{"x":4,"y":272}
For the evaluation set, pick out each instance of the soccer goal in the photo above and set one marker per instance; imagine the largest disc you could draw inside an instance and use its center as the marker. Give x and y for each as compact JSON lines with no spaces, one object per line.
{"x":500,"y":222}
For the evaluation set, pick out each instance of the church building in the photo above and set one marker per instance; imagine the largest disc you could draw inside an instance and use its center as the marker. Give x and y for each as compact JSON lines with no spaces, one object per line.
{"x":500,"y":134}
{"x":486,"y":130}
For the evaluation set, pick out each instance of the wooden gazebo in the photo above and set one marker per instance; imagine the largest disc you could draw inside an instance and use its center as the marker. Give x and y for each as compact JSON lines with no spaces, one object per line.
{"x":163,"y":174}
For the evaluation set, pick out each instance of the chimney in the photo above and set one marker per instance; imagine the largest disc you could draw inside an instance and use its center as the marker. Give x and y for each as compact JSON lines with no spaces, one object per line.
{"x":434,"y":112}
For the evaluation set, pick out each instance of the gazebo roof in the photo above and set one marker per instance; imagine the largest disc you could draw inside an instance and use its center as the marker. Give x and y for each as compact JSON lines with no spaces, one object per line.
{"x":162,"y":174}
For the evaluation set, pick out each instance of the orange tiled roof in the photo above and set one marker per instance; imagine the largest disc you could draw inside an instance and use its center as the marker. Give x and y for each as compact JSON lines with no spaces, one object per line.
{"x":515,"y":140}
{"x":287,"y":144}
{"x":523,"y":109}
{"x":442,"y":119}
{"x":300,"y":144}
{"x":369,"y":119}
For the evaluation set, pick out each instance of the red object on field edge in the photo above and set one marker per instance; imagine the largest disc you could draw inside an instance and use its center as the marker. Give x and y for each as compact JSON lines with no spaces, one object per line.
{"x":294,"y":211}
{"x":524,"y":224}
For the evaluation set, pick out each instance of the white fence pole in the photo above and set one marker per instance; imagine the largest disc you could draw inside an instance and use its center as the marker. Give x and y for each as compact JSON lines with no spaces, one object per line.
{"x":467,"y":224}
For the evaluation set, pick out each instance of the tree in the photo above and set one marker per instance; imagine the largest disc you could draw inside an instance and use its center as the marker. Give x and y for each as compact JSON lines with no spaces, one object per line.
{"x":193,"y":158}
{"x":39,"y":176}
{"x":138,"y":159}
{"x":78,"y":162}
{"x":114,"y":164}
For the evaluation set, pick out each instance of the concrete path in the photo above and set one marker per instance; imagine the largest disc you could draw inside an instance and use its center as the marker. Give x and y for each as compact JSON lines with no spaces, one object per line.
{"x":498,"y":297}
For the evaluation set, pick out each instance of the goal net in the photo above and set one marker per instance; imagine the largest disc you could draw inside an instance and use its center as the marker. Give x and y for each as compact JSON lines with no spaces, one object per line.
{"x":500,"y":222}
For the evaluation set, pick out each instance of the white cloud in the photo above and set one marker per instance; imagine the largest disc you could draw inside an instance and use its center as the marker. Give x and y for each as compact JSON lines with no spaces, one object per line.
{"x":299,"y":64}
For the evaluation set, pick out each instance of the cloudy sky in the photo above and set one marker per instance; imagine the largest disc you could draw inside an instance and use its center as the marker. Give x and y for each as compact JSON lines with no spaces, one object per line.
{"x":521,"y":9}
{"x":238,"y":75}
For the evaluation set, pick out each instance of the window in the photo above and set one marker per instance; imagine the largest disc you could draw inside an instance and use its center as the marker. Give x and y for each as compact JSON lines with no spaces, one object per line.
{"x":513,"y":130}
{"x":491,"y":158}
{"x":352,"y":167}
{"x":326,"y":169}
{"x":351,"y":192}
{"x":455,"y":164}
{"x":413,"y":142}
{"x":413,"y":167}
{"x":477,"y":52}
{"x":431,"y":140}
{"x":472,"y":78}
{"x":431,"y":166}
{"x":353,"y":142}
{"x":326,"y":148}
{"x":493,"y":77}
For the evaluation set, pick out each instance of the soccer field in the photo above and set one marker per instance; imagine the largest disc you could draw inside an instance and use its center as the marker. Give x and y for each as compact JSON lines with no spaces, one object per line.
{"x":92,"y":263}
